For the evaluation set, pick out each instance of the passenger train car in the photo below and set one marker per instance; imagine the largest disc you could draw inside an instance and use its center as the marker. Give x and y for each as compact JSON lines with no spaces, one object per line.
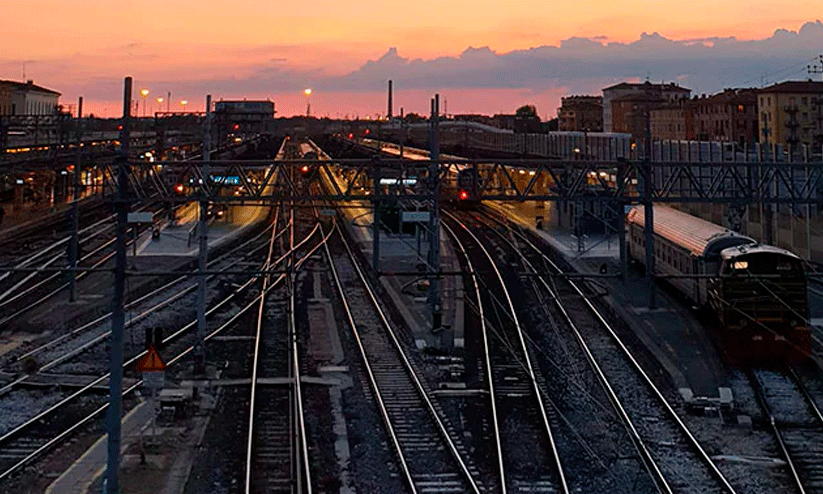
{"x":758,"y":292}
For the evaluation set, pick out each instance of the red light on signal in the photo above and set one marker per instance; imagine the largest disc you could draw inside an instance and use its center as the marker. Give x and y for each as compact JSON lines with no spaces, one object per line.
{"x":463,"y":195}
{"x":236,"y":126}
{"x":119,"y":127}
{"x":178,"y":188}
{"x":368,"y":132}
{"x":351,"y":136}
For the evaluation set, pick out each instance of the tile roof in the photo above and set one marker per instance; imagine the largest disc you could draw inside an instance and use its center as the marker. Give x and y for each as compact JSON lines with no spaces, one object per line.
{"x":795,"y":87}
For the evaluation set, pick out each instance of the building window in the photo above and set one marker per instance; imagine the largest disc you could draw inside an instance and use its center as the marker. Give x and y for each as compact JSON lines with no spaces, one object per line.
{"x":804,"y":101}
{"x":741,"y":108}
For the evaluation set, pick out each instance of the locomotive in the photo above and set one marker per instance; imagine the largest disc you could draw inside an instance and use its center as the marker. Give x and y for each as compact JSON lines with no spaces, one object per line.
{"x":757,"y":292}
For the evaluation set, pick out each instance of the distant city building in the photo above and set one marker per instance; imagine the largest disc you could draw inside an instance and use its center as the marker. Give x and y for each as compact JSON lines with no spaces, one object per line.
{"x":504,"y":121}
{"x":251,"y":108}
{"x":580,"y":113}
{"x":730,"y":116}
{"x":630,"y":112}
{"x":668,"y":121}
{"x":243,"y":116}
{"x":790,"y":113}
{"x":473,"y":117}
{"x":664,"y":92}
{"x":26,"y":98}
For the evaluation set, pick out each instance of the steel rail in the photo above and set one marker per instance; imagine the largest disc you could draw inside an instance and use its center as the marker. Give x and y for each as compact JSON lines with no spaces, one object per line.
{"x":407,"y":364}
{"x":298,"y":392}
{"x":529,"y":366}
{"x":32,"y":456}
{"x":260,"y":301}
{"x":487,"y":356}
{"x":651,"y":466}
{"x":624,"y":349}
{"x":133,"y":320}
{"x":761,"y":398}
{"x":372,"y":380}
{"x":97,"y":381}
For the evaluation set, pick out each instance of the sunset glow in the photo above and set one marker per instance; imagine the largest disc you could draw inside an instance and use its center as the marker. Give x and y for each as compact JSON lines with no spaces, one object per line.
{"x":270,"y":50}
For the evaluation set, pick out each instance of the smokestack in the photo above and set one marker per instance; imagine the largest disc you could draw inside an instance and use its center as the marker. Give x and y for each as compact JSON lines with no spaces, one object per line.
{"x":389,"y":114}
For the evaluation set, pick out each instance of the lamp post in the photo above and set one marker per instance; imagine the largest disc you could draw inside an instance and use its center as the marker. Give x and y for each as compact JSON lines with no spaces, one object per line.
{"x":183,"y":103}
{"x":144,"y":93}
{"x":159,"y":104}
{"x":307,"y":92}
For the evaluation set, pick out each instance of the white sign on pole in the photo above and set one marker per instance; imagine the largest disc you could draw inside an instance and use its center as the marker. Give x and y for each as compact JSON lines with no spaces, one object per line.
{"x":154,"y":379}
{"x":328,"y":212}
{"x":414,"y":216}
{"x":140,"y":218}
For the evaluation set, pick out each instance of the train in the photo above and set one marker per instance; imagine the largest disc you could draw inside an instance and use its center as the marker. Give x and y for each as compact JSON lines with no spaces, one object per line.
{"x":756,"y":293}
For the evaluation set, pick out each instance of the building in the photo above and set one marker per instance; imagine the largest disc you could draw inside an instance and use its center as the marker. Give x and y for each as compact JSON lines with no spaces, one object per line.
{"x":789,"y":113}
{"x":669,"y":92}
{"x":26,"y":98}
{"x":668,"y":121}
{"x":580,"y":113}
{"x":631,"y":111}
{"x":243,"y":116}
{"x":730,"y":116}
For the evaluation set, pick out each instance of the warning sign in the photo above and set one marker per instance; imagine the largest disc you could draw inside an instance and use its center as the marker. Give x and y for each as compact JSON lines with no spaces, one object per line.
{"x":151,"y":362}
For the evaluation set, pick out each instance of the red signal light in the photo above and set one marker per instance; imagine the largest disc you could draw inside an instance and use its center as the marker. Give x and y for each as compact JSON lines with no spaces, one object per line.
{"x":368,"y":132}
{"x":178,"y":188}
{"x":351,"y":136}
{"x":236,"y":126}
{"x":463,"y":195}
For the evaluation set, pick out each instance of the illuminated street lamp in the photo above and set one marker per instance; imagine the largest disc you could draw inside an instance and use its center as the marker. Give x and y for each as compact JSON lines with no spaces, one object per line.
{"x":183,"y":103}
{"x":307,"y":92}
{"x":159,"y":104}
{"x":144,"y":93}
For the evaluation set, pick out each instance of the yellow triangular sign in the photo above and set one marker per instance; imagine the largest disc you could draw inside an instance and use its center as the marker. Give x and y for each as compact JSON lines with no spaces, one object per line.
{"x":151,"y":362}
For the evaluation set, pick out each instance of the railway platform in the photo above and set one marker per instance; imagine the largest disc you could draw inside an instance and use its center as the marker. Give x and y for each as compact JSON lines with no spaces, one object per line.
{"x":181,"y":238}
{"x":670,"y":331}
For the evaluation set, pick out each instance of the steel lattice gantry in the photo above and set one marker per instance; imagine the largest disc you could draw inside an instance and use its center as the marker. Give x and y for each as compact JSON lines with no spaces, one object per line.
{"x":510,"y":180}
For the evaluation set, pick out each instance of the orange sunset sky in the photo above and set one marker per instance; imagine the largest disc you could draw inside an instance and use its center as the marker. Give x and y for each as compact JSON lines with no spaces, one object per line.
{"x":537,"y":50}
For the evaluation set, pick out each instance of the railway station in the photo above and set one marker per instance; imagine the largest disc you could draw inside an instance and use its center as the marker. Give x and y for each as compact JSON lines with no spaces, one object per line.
{"x":223,"y":301}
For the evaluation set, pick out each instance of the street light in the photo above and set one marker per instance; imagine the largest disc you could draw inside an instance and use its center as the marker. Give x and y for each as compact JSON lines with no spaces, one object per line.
{"x":183,"y":103}
{"x":159,"y":104}
{"x":307,"y":92}
{"x":144,"y":93}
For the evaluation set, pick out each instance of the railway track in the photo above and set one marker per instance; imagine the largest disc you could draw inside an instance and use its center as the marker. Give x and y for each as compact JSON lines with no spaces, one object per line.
{"x":277,"y":456}
{"x":516,"y":388}
{"x":429,"y":459}
{"x":669,"y":451}
{"x":796,"y":422}
{"x":14,"y":457}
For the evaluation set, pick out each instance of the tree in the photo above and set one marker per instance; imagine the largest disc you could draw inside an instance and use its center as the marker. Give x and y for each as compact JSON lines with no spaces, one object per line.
{"x":527,"y":112}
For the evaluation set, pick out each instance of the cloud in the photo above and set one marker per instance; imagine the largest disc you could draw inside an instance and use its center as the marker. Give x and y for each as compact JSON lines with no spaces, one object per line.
{"x":577,"y":65}
{"x":583,"y":63}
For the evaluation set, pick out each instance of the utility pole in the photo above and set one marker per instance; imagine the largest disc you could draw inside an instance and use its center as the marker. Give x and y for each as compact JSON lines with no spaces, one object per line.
{"x":648,"y":216}
{"x":118,"y":316}
{"x":814,"y":69}
{"x":376,"y":215}
{"x":434,"y":219}
{"x":75,"y":209}
{"x":202,"y":258}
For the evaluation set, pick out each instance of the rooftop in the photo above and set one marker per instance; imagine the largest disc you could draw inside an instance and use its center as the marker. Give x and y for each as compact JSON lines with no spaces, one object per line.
{"x":795,"y":87}
{"x":27,"y":86}
{"x":652,"y":86}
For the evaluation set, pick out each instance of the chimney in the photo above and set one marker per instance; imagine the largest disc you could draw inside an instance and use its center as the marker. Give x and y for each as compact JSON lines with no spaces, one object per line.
{"x":389,"y":114}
